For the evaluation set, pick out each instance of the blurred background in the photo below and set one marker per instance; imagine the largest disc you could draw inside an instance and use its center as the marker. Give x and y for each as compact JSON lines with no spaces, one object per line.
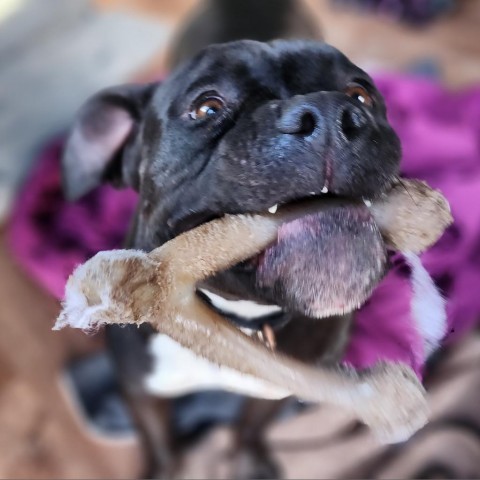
{"x":61,"y":415}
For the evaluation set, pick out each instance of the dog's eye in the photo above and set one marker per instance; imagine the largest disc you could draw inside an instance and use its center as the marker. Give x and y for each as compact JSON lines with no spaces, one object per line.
{"x":359,"y":93}
{"x":206,"y":106}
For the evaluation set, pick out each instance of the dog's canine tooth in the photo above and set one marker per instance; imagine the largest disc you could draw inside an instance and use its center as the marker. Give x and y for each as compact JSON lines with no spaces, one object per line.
{"x":269,"y":336}
{"x":324,"y":189}
{"x":312,"y":193}
{"x":273,"y":208}
{"x":367,"y":202}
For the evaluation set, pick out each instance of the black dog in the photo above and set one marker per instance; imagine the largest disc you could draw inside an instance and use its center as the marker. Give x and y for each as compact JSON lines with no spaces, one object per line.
{"x":241,"y":127}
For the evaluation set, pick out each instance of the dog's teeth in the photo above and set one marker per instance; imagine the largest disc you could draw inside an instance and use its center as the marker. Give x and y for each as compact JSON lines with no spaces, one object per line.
{"x":273,"y":208}
{"x":368,"y":203}
{"x":324,"y":189}
{"x":312,"y":193}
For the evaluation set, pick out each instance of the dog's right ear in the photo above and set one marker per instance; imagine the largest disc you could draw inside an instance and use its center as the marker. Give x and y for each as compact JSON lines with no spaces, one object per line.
{"x":101,"y":145}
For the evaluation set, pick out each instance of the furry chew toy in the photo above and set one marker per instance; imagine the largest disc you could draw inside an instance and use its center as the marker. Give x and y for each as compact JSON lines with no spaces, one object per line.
{"x":127,"y":286}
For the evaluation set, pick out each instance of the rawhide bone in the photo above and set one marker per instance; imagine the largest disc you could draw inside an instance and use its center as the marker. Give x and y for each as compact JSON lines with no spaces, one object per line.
{"x":159,"y":287}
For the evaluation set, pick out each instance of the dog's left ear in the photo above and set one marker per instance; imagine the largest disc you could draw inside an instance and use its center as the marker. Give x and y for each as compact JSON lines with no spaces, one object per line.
{"x":103,"y":144}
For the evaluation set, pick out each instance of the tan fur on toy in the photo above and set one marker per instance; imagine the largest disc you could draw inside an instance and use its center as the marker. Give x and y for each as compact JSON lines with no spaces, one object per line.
{"x":159,"y":288}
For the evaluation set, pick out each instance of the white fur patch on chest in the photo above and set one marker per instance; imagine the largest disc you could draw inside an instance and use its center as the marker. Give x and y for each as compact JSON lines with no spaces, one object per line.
{"x":178,"y":371}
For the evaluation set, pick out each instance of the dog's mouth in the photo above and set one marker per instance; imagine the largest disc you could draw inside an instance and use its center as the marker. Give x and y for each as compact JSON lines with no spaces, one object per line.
{"x":309,"y":204}
{"x":327,"y":259}
{"x":307,"y":207}
{"x":328,"y":256}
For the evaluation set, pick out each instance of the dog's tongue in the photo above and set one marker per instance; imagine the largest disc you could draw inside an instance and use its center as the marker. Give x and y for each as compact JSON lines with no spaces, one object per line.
{"x":325,"y":263}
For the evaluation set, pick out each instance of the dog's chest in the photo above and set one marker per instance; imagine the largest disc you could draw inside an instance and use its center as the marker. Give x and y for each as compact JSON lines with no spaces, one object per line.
{"x":178,"y":371}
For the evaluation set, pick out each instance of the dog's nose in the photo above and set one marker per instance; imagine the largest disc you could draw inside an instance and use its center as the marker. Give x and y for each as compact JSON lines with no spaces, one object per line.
{"x":299,"y":119}
{"x":352,"y":121}
{"x":314,"y":114}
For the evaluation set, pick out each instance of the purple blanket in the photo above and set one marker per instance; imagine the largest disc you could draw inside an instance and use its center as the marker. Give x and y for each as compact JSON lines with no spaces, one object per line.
{"x":417,"y":12}
{"x":404,"y":319}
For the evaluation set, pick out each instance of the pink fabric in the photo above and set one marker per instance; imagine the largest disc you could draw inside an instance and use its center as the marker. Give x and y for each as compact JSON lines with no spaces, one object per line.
{"x":385,"y":328}
{"x":440,"y":133}
{"x":49,"y":237}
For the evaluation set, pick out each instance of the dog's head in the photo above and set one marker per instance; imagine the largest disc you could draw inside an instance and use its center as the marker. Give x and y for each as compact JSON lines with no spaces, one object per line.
{"x":242,"y":127}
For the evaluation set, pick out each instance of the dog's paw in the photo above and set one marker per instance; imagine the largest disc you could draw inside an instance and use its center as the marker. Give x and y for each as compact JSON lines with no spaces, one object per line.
{"x":394,"y":402}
